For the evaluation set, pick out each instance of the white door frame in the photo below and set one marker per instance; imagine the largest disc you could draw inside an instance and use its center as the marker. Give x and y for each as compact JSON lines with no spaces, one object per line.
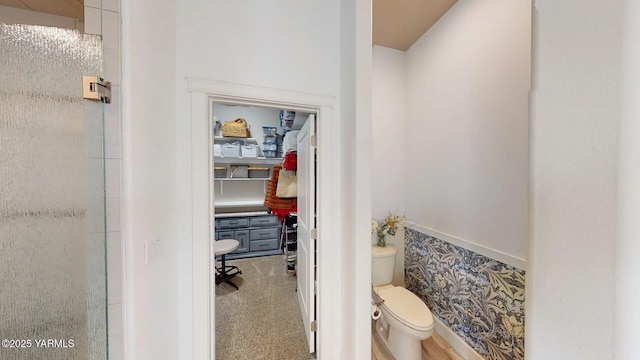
{"x":203,"y":93}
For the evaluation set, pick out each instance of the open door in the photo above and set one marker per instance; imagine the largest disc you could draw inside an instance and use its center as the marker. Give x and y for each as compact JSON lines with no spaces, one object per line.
{"x":307,"y":229}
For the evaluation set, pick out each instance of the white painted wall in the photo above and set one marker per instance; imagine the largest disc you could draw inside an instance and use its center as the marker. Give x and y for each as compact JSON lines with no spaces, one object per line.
{"x":388,"y":150}
{"x":388,"y":132}
{"x":279,"y":45}
{"x":627,"y":312}
{"x":467,"y":127}
{"x":284,"y":44}
{"x":356,"y":166}
{"x":149,"y":178}
{"x":574,"y":151}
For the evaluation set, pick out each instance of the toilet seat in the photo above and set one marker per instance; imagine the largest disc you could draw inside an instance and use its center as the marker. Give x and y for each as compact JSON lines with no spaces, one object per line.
{"x":406,"y":308}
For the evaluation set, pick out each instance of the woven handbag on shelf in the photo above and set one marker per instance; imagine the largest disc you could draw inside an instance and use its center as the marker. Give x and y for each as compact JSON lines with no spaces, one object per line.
{"x":235,"y":128}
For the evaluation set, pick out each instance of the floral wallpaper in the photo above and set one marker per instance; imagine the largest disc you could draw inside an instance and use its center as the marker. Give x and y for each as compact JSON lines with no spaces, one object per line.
{"x":480,"y":299}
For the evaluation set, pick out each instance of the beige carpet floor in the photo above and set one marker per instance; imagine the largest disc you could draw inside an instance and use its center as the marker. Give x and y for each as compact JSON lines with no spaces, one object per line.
{"x":262,"y":319}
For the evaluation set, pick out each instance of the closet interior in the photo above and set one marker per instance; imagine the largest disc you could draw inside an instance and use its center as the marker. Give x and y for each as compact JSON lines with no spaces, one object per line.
{"x":249,"y":148}
{"x":256,"y":226}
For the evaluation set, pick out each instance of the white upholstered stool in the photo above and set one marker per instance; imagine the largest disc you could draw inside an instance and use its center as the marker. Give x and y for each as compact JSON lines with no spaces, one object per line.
{"x":225,"y":273}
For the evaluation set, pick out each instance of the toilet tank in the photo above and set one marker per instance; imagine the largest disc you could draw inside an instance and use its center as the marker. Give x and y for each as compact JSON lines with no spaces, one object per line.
{"x":383,"y":261}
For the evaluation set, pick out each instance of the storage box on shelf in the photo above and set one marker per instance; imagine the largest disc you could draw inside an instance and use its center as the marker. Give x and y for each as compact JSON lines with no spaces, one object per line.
{"x":259,"y":172}
{"x":233,"y":147}
{"x":249,"y":151}
{"x":219,"y":172}
{"x":270,"y":149}
{"x":269,"y":131}
{"x":270,"y":146}
{"x":258,"y":233}
{"x":230,"y":150}
{"x":241,"y":189}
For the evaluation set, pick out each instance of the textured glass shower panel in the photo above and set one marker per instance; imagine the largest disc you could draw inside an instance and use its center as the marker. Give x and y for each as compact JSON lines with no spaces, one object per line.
{"x":52,"y":223}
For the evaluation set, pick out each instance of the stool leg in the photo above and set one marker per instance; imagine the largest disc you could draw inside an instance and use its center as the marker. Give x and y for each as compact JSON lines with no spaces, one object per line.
{"x":223,"y":275}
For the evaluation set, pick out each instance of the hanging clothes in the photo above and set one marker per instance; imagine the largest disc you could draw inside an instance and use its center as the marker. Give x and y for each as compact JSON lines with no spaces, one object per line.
{"x":278,"y":206}
{"x":290,"y":141}
{"x":290,"y":161}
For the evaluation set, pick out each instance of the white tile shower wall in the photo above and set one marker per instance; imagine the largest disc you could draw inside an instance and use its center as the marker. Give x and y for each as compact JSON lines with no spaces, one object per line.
{"x":103,"y":17}
{"x":93,"y":3}
{"x":112,"y":131}
{"x":113,"y":190}
{"x":92,"y":21}
{"x":111,"y":45}
{"x":114,"y":266}
{"x":93,"y":182}
{"x":111,"y":5}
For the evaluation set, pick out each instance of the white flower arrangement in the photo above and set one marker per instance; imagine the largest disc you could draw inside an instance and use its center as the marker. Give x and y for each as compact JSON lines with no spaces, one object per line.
{"x":374,"y":226}
{"x":389,"y":226}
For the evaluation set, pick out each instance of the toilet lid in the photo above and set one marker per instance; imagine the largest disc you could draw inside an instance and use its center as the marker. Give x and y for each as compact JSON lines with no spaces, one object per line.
{"x":407,"y":308}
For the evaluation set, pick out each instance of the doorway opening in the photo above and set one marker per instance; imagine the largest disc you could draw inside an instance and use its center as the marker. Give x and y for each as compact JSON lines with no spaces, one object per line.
{"x":264,"y":221}
{"x":204,"y":95}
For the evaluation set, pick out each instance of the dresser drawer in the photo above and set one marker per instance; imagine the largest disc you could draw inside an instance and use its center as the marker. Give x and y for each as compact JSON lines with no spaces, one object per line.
{"x":232,"y":223}
{"x":225,"y":235}
{"x":262,"y":234}
{"x":243,"y":237}
{"x":260,"y":245}
{"x":263,"y":221}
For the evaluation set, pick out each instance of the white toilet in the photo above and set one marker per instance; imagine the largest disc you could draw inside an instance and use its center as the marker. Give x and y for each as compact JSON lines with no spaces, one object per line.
{"x":405,"y":319}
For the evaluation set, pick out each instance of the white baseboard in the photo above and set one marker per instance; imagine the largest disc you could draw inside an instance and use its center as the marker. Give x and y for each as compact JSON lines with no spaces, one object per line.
{"x":456,"y":342}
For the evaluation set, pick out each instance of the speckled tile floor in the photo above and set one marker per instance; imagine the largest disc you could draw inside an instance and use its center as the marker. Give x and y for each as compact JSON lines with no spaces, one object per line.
{"x":262,"y":319}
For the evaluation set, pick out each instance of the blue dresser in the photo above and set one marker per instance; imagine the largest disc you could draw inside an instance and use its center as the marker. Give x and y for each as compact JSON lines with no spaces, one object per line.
{"x":258,"y":233}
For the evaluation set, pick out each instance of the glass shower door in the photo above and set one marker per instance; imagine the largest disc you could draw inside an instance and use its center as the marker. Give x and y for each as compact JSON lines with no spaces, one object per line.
{"x":52,"y":201}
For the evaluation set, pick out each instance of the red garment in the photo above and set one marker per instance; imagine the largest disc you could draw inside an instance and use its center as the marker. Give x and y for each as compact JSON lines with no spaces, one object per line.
{"x":290,"y":161}
{"x":282,"y":213}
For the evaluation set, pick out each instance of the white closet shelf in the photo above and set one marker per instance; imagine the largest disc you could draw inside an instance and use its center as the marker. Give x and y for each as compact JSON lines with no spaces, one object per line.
{"x":240,"y":179}
{"x":222,"y":204}
{"x":233,"y":138}
{"x":221,"y":181}
{"x":247,"y":161}
{"x":237,"y":214}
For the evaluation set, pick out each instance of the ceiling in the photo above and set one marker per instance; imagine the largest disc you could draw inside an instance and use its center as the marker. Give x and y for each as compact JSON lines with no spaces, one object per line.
{"x":69,"y":8}
{"x":398,"y":24}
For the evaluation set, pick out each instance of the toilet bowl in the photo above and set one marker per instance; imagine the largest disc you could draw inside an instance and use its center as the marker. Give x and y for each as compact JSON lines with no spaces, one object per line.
{"x":405,"y":319}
